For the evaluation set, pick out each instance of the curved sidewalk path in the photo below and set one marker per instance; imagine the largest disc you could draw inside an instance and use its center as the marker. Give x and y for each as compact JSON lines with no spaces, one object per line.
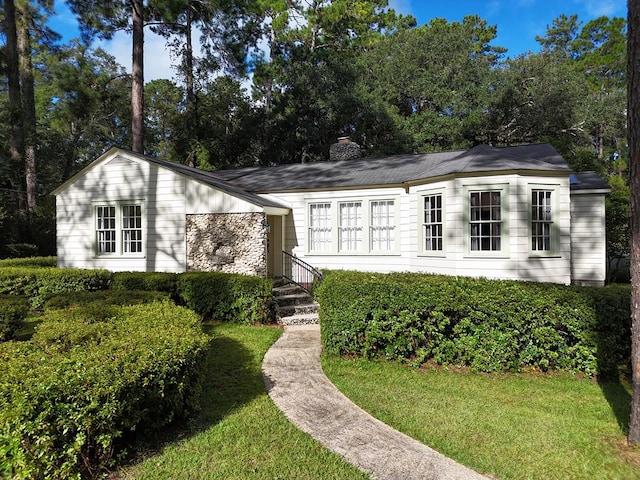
{"x":296,"y":383}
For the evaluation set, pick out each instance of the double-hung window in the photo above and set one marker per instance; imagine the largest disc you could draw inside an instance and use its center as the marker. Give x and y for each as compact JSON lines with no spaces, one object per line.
{"x":485,"y":221}
{"x":382,"y":226}
{"x":543,"y":236}
{"x":350,"y":226}
{"x":119,"y":228}
{"x":320,"y":227}
{"x":432,"y":223}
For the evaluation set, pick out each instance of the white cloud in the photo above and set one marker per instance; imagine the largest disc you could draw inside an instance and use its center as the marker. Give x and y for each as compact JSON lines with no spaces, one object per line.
{"x":401,"y":6}
{"x":157,"y":57}
{"x":598,"y":8}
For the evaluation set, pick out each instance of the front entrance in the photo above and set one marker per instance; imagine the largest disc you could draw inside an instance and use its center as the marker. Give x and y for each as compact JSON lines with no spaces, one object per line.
{"x":275,"y":241}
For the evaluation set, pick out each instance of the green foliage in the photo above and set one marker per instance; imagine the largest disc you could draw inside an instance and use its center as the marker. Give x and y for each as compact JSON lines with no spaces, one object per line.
{"x":93,"y":382}
{"x":38,"y":283}
{"x":227,"y":297}
{"x":488,"y":325}
{"x":149,"y":281}
{"x":13,"y":310}
{"x":37,"y":262}
{"x":103,"y":298}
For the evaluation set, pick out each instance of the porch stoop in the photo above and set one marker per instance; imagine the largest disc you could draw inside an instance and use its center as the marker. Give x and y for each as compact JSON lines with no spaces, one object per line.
{"x":294,"y":306}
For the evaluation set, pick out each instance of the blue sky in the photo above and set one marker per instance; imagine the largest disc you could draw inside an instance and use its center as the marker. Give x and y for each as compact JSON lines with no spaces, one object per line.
{"x":518,"y":22}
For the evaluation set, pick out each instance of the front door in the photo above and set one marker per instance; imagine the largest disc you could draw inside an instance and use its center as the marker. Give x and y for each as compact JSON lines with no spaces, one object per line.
{"x":275,"y":238}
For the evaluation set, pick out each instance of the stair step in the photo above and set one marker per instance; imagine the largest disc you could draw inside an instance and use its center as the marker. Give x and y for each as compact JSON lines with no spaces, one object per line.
{"x":304,"y":319}
{"x":297,"y":309}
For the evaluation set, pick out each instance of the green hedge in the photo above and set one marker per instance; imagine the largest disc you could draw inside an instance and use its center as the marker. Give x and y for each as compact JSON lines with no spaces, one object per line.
{"x":92,"y":382}
{"x":13,"y":310}
{"x":37,"y":262}
{"x":149,"y":281}
{"x":488,"y":325}
{"x":39,"y":283}
{"x":103,"y":298}
{"x":227,"y":297}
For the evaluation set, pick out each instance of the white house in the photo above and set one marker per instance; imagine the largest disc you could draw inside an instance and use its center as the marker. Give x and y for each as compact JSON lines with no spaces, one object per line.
{"x":510,"y":213}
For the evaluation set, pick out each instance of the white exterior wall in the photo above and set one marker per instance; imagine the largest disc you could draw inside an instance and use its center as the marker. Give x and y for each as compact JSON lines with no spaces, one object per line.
{"x":588,"y":239}
{"x":166,"y":198}
{"x":515,"y":262}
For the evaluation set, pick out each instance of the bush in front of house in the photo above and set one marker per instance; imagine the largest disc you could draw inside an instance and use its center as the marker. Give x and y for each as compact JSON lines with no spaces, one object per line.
{"x":13,"y":311}
{"x":487,"y":325}
{"x":150,"y":281}
{"x":227,"y":296}
{"x":29,"y":262}
{"x":101,"y":298}
{"x":39,"y":283}
{"x":91,"y":382}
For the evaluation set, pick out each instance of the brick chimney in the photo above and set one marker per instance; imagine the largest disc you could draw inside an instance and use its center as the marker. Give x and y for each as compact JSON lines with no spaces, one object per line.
{"x":345,"y":149}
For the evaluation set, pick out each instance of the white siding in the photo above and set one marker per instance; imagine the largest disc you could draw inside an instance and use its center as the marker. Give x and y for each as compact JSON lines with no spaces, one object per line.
{"x":115,"y":179}
{"x":516,"y":262}
{"x":203,"y":199}
{"x":588,"y":239}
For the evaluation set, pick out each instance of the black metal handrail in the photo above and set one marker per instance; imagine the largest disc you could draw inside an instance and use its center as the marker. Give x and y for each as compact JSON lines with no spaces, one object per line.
{"x":299,"y":272}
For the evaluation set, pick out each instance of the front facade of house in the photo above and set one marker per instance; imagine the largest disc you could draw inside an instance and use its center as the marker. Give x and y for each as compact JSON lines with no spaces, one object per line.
{"x":513,"y":213}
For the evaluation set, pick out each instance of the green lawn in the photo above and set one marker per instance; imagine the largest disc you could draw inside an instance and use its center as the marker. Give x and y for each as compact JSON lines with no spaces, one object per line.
{"x":512,"y":426}
{"x":240,"y":433}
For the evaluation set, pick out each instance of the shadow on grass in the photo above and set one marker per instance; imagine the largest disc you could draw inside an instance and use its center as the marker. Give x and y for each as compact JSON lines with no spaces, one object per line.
{"x":619,"y":400}
{"x":232,"y":377}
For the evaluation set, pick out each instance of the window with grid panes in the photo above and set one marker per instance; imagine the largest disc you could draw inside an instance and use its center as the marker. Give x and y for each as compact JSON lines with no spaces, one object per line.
{"x":432,"y":223}
{"x":485,"y":221}
{"x":320,"y":227}
{"x":382,"y":225}
{"x":541,"y":220}
{"x":350,"y":226}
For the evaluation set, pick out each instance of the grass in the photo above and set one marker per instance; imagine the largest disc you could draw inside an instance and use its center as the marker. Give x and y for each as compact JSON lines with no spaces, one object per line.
{"x":240,"y":433}
{"x":511,"y":426}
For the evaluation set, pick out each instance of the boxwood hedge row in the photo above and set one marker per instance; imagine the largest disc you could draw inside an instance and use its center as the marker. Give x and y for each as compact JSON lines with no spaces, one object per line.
{"x":39,"y":283}
{"x":488,"y":325}
{"x":70,"y":395}
{"x":227,"y":297}
{"x":213,"y":295}
{"x":13,"y":310}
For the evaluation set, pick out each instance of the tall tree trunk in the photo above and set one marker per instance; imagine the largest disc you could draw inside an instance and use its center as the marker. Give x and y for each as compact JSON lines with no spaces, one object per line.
{"x":29,"y":109}
{"x":137,"y":73}
{"x":633,"y":120}
{"x":191,"y":114}
{"x":13,"y":80}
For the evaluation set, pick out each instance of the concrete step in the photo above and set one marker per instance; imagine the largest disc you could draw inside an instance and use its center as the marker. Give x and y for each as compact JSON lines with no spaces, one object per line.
{"x":297,"y":309}
{"x":303,"y":319}
{"x":294,"y":306}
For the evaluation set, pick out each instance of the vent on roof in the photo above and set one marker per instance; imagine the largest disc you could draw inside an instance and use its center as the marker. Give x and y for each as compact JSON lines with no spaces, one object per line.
{"x":345,"y":149}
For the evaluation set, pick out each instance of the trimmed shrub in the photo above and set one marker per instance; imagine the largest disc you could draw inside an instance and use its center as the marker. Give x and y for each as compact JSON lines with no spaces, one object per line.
{"x":39,"y":283}
{"x":37,"y":262}
{"x":93,"y":382}
{"x":103,"y":298}
{"x":227,"y":296}
{"x":149,"y":281}
{"x":488,"y":325}
{"x":13,"y":310}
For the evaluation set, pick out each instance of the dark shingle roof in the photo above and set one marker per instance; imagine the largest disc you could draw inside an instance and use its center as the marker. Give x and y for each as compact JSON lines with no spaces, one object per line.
{"x":395,"y":170}
{"x":584,"y":181}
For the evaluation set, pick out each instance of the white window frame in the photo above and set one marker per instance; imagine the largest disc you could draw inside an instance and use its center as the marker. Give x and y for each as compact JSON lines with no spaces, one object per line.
{"x":503,"y":221}
{"x":122,"y":234}
{"x":552,"y":222}
{"x":350,"y":226}
{"x":320,"y":228}
{"x":382,"y":225}
{"x":360,"y":230}
{"x":422,"y":216}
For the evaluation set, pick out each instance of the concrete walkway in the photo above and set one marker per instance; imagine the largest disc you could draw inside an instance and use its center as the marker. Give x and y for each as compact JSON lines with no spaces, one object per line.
{"x":296,"y":383}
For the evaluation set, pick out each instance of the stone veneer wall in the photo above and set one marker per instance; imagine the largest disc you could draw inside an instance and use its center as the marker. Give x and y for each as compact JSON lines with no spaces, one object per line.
{"x":227,"y":242}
